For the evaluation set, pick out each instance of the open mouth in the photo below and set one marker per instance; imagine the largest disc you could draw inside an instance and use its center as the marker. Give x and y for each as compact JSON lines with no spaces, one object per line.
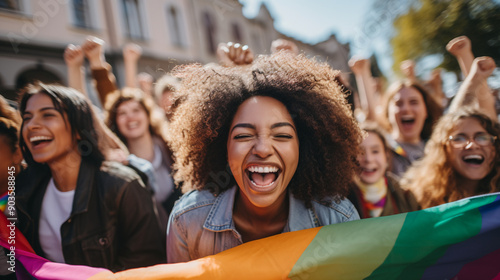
{"x":132,"y":125}
{"x":263,"y":176}
{"x":407,"y":120}
{"x":473,"y":159}
{"x":368,"y":170}
{"x":38,"y":140}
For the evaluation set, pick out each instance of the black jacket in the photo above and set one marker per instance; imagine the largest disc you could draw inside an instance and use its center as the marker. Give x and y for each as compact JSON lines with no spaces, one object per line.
{"x":112,"y":223}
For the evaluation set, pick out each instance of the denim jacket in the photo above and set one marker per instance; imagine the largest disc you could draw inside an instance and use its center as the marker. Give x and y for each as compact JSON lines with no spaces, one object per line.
{"x":201,"y":224}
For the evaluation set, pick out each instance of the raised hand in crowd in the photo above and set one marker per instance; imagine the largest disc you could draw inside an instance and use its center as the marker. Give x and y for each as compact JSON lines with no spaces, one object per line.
{"x":104,"y":80}
{"x":132,"y":52}
{"x":131,"y":55}
{"x":435,"y":86}
{"x":407,"y":67}
{"x":233,"y":54}
{"x":461,"y":48}
{"x":366,"y":87}
{"x":74,"y":58}
{"x":284,"y":45}
{"x":93,"y":48}
{"x":472,"y":93}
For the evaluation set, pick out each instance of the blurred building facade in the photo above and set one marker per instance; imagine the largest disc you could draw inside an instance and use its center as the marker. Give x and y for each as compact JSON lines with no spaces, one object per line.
{"x":34,"y":34}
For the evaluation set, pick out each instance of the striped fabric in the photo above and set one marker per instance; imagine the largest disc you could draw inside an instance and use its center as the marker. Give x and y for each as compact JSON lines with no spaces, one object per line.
{"x":458,"y":240}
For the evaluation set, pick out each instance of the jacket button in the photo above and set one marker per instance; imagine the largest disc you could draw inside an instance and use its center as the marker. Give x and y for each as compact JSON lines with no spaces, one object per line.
{"x":103,"y":241}
{"x":69,"y":220}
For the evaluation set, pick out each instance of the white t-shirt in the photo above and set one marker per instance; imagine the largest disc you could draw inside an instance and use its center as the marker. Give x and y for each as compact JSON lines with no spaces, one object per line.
{"x":56,"y":209}
{"x":164,"y":181}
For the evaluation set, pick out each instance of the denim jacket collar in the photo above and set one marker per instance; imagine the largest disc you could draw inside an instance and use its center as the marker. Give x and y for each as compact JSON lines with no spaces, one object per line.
{"x":220,"y":217}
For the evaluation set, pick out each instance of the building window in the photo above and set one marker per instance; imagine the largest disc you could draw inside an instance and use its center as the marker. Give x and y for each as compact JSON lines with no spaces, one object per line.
{"x":132,"y":19}
{"x":174,"y":26}
{"x":10,"y":5}
{"x":236,"y":33}
{"x":81,"y":11}
{"x":209,"y":25}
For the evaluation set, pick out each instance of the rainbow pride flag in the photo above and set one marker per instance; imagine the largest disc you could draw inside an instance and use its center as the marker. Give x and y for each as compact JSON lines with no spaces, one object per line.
{"x":458,"y":240}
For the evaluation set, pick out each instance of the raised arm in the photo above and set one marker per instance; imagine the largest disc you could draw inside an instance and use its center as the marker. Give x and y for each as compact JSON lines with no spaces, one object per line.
{"x":131,"y":55}
{"x":434,"y":84}
{"x":365,"y":83}
{"x":471,"y":93}
{"x":74,"y":57}
{"x":104,"y":80}
{"x":461,"y":48}
{"x":230,"y":54}
{"x":407,"y":67}
{"x":284,"y":45}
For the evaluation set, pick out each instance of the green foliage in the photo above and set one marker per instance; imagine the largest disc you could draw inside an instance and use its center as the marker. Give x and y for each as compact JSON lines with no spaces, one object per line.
{"x":430,"y":24}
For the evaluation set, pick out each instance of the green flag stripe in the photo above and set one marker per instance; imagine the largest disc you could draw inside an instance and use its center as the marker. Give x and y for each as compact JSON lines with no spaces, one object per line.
{"x":427,"y":234}
{"x":350,"y":250}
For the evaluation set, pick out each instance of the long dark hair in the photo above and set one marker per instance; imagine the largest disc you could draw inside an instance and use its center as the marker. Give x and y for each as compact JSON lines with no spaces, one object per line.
{"x":73,"y":106}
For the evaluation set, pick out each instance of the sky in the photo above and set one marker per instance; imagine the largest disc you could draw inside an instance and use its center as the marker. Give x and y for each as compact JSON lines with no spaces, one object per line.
{"x":313,"y":21}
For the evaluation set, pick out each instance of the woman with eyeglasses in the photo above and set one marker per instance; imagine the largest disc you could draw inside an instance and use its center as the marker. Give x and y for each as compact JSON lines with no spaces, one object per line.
{"x":463,"y":154}
{"x":461,"y":160}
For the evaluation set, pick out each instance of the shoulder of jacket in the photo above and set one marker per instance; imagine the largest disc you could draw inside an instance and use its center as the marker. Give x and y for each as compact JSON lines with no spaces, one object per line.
{"x":343,"y":206}
{"x":116,"y":171}
{"x":193,"y":200}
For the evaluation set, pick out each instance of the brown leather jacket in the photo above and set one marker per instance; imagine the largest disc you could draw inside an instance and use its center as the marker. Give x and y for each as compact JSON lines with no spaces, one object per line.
{"x":112,"y":223}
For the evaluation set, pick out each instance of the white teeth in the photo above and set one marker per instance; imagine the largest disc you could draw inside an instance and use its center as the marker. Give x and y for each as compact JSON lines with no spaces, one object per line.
{"x":260,"y":169}
{"x":473,"y":157}
{"x":39,"y":138}
{"x":262,"y":186}
{"x":133,"y":124}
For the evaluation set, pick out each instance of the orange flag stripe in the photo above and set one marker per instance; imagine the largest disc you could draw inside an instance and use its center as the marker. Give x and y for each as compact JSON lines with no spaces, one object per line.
{"x":269,"y":258}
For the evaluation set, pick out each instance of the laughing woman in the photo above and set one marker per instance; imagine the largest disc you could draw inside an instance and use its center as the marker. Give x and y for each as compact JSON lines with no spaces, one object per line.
{"x":409,"y":114}
{"x":462,"y":159}
{"x":262,"y":150}
{"x":73,"y":207}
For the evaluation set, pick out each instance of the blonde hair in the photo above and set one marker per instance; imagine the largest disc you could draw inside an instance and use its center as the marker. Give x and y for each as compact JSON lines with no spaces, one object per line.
{"x":166,"y":83}
{"x":433,"y":179}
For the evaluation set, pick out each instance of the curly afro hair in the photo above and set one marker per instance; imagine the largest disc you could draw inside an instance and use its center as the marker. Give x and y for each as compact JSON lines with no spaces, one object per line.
{"x":209,"y":97}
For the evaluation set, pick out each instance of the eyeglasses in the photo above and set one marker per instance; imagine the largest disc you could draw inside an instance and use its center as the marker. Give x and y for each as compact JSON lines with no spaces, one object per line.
{"x":482,"y":139}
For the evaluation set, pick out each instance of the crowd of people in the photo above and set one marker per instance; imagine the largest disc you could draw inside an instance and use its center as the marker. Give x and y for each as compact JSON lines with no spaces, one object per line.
{"x":209,"y":157}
